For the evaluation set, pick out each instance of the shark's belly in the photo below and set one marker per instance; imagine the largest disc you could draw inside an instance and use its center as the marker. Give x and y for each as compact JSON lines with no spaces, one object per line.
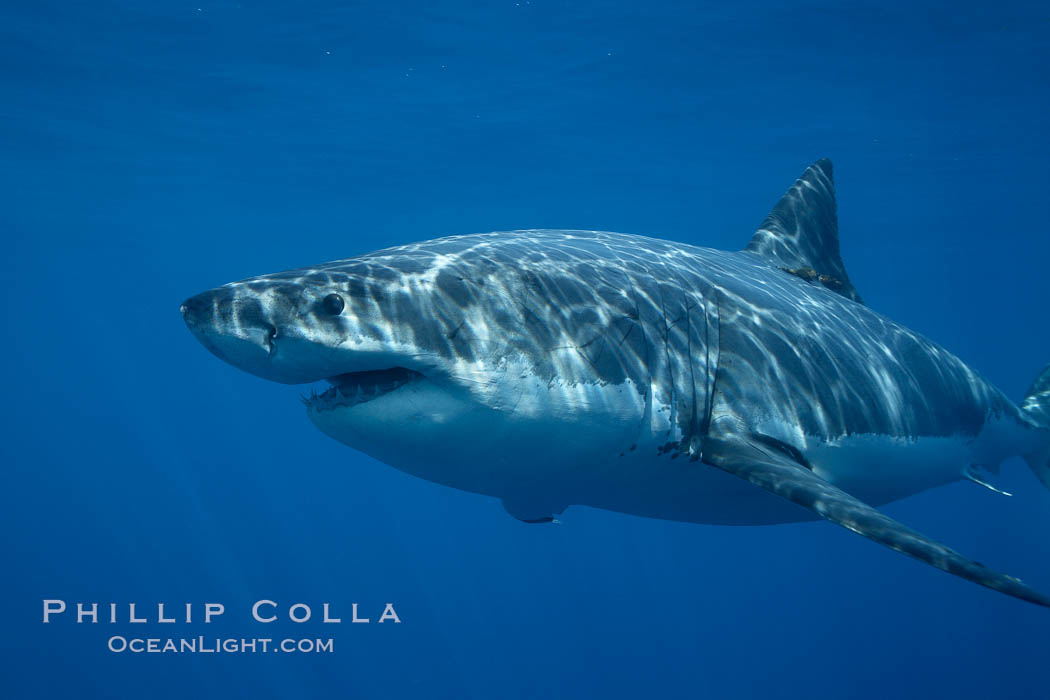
{"x":875,"y":468}
{"x":688,"y":492}
{"x":541,"y":465}
{"x":882,"y":468}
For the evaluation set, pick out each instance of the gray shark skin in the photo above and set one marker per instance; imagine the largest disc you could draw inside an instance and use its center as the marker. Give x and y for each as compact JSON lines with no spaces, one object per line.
{"x":557,"y":368}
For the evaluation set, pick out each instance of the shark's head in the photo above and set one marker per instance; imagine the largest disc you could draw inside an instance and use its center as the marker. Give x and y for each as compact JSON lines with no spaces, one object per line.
{"x":454,"y":355}
{"x":367,"y":328}
{"x":492,"y":362}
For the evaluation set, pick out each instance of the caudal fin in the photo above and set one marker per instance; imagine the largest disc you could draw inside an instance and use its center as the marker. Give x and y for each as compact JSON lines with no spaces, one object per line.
{"x":1036,"y":406}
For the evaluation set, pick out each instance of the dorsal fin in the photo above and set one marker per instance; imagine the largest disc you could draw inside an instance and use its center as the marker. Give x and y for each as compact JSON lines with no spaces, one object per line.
{"x":801,"y":234}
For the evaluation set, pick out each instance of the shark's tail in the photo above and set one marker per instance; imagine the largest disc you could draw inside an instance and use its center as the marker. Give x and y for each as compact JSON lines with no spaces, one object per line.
{"x":1036,"y":406}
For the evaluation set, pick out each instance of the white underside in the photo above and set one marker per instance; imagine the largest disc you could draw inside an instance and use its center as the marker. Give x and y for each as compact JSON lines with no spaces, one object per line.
{"x":542,"y":447}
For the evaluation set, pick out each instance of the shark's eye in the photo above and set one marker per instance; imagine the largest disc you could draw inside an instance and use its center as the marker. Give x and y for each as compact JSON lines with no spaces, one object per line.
{"x":333,"y":304}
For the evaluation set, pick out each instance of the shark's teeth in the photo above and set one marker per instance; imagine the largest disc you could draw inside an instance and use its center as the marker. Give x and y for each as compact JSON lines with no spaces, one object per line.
{"x":359,"y":387}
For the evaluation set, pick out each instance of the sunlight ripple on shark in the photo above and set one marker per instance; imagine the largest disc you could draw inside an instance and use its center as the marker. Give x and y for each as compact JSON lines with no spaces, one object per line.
{"x":553,"y":368}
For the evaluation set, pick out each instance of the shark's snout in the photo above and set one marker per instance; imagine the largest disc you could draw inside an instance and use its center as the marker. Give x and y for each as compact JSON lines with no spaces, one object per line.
{"x":282,"y":331}
{"x":235,"y":329}
{"x":196,"y":309}
{"x":224,"y":308}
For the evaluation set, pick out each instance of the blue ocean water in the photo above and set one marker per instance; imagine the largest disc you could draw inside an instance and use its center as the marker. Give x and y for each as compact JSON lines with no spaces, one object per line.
{"x":153,"y":150}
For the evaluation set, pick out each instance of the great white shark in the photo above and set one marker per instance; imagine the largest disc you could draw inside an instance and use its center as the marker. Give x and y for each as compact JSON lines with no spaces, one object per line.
{"x":550,"y":368}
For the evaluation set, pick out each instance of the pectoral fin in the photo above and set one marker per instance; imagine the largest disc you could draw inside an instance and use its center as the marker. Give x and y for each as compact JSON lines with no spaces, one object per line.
{"x":761,"y":463}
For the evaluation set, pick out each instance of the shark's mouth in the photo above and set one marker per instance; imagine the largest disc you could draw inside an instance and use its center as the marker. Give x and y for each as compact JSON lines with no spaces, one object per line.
{"x":355,"y":388}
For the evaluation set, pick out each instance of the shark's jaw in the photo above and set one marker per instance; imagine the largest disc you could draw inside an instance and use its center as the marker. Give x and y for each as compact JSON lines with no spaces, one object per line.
{"x":419,"y":423}
{"x":355,"y":388}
